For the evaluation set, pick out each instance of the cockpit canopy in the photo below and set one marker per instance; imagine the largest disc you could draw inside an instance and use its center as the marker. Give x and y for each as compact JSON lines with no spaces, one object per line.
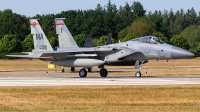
{"x":149,"y":39}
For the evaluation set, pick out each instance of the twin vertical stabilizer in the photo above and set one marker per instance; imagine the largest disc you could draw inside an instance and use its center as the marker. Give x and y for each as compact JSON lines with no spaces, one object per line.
{"x":109,"y":39}
{"x":88,"y":41}
{"x":40,"y":40}
{"x":64,"y":36}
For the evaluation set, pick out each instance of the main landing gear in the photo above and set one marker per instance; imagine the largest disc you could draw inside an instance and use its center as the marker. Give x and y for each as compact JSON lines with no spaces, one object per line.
{"x":63,"y":70}
{"x":83,"y":73}
{"x":103,"y":72}
{"x":89,"y":69}
{"x":72,"y":69}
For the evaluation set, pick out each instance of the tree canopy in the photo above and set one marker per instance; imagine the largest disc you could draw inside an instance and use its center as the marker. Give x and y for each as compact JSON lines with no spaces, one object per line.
{"x":9,"y":43}
{"x":80,"y":39}
{"x":103,"y":39}
{"x":180,"y":41}
{"x":27,"y":44}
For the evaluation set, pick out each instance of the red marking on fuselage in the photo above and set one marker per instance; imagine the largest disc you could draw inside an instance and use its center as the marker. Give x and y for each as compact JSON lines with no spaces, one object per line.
{"x":34,"y":23}
{"x":60,"y":24}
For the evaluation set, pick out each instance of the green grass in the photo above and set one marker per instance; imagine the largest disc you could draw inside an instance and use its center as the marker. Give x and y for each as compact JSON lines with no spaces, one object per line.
{"x":184,"y":98}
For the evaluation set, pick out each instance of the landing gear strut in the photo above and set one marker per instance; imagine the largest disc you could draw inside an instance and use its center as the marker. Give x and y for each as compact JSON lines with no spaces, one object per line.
{"x":63,"y":70}
{"x":89,"y":69}
{"x":72,"y":69}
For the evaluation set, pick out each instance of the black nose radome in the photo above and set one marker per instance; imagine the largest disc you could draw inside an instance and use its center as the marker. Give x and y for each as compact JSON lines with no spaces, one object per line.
{"x":180,"y":53}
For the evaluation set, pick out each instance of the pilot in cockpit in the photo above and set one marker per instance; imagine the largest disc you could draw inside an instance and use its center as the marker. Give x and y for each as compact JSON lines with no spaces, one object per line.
{"x":151,"y":40}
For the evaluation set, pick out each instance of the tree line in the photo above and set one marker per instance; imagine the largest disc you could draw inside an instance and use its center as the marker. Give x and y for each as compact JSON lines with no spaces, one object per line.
{"x":180,"y":28}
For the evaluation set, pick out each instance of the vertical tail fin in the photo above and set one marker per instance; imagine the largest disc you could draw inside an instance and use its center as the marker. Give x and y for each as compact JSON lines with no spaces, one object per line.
{"x":109,"y":39}
{"x":40,"y":40}
{"x":88,"y":41}
{"x":64,"y":36}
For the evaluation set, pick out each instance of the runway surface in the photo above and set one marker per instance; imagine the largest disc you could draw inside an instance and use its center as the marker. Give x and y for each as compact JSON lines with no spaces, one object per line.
{"x":39,"y":78}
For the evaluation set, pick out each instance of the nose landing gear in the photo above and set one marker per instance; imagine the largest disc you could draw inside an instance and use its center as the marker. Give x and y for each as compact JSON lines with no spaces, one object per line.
{"x":139,"y":66}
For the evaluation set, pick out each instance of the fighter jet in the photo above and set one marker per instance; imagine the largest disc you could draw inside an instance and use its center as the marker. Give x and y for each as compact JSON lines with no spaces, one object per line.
{"x":141,"y":48}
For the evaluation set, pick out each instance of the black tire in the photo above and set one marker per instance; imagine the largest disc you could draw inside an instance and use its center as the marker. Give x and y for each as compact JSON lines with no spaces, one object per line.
{"x":63,"y":70}
{"x":138,"y":74}
{"x":103,"y":72}
{"x":82,"y":73}
{"x":72,"y":69}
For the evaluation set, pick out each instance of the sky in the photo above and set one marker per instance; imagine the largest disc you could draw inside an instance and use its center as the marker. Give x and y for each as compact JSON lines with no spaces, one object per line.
{"x":30,"y":8}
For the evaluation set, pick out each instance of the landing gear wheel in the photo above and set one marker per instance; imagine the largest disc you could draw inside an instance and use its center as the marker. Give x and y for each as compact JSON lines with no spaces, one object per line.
{"x":89,"y":69}
{"x":82,"y":73}
{"x":72,"y":69}
{"x":63,"y":70}
{"x":103,"y":72}
{"x":138,"y":74}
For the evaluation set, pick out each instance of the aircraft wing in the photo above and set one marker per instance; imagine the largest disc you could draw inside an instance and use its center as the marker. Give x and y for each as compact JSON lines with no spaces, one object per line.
{"x":73,"y":52}
{"x":66,"y":52}
{"x":79,"y":52}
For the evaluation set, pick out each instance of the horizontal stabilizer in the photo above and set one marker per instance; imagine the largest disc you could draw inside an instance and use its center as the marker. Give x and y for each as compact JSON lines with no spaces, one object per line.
{"x":23,"y":56}
{"x":28,"y":56}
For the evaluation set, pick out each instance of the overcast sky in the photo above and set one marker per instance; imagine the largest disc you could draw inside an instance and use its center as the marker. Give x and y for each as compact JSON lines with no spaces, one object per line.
{"x":32,"y":7}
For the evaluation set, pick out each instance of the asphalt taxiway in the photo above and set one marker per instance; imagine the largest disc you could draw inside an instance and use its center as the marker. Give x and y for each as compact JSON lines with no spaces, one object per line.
{"x":40,"y":78}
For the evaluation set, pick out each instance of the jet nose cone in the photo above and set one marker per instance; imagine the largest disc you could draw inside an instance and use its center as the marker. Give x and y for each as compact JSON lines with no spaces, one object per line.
{"x":180,"y":53}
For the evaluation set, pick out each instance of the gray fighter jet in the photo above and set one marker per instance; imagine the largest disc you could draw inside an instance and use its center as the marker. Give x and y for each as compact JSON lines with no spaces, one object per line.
{"x":142,"y":48}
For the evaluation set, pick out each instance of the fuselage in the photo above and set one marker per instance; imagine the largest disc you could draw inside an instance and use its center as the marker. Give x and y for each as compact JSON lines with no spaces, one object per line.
{"x":125,"y":53}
